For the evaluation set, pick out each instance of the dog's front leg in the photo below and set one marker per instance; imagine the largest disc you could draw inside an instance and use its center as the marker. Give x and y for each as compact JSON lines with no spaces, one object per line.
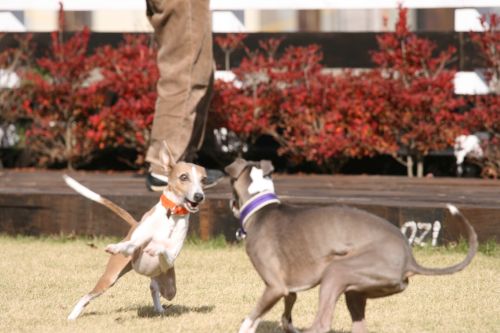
{"x":168,"y":250}
{"x":162,"y":249}
{"x":141,"y":235}
{"x":126,"y":248}
{"x":268,"y":299}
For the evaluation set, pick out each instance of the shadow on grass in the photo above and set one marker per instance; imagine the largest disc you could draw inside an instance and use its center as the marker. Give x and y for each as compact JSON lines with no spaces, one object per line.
{"x":174,"y":310}
{"x":275,"y":327}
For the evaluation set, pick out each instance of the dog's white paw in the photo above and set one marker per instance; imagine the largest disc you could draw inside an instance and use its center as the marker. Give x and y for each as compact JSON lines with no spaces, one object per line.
{"x":160,"y":310}
{"x":249,"y":326}
{"x":112,"y":248}
{"x":124,"y":248}
{"x":154,"y":249}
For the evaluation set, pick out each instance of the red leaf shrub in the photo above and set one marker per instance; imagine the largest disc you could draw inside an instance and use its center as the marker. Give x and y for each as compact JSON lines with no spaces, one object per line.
{"x":488,"y":43}
{"x":129,"y":75}
{"x":405,"y":105}
{"x":228,"y":45}
{"x":485,"y":113}
{"x":79,"y":104}
{"x":13,"y":62}
{"x":313,"y":115}
{"x":422,"y":111}
{"x":59,"y":102}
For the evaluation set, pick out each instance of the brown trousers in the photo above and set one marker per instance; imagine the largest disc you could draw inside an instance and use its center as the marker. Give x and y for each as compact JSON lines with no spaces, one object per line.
{"x":183,"y":31}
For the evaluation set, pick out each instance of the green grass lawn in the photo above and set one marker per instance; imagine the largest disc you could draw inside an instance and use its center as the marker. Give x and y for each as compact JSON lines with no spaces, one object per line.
{"x":42,"y":279}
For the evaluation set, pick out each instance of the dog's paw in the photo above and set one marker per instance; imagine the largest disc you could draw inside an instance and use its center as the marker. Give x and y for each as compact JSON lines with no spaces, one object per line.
{"x":154,"y":249}
{"x":160,"y":310}
{"x":112,"y":248}
{"x":249,"y":326}
{"x":288,"y":326}
{"x":126,"y":249}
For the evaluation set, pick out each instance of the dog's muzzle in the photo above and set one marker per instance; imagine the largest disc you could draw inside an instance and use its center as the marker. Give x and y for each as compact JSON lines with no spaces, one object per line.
{"x":193,"y":205}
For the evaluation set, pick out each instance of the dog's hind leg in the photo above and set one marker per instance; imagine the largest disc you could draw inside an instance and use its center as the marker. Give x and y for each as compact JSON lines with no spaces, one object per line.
{"x":332,"y":286}
{"x":166,"y":282}
{"x":117,"y":266}
{"x":286,"y":319}
{"x":164,"y":285}
{"x":356,"y":303}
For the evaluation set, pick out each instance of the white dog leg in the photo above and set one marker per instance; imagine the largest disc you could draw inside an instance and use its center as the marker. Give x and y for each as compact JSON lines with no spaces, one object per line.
{"x":166,"y":261}
{"x":141,"y":235}
{"x":81,"y":305}
{"x":156,"y":249}
{"x":155,"y":294}
{"x":126,"y":248}
{"x":249,"y":326}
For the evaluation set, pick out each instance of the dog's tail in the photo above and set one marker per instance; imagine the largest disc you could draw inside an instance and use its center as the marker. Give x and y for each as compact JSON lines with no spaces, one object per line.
{"x":415,"y":268}
{"x":87,"y":193}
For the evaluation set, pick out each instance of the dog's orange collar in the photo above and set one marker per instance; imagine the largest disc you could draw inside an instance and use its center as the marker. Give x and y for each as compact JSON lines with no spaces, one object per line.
{"x":171,"y":207}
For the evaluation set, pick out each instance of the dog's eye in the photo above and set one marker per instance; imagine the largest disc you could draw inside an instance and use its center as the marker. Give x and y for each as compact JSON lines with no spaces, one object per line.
{"x":184,"y":177}
{"x":204,"y":180}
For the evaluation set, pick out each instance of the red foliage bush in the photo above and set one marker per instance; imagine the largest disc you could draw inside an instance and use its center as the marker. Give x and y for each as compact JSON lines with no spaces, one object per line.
{"x":488,"y":43}
{"x":313,"y":115}
{"x":422,"y":112}
{"x":406,"y":104}
{"x":59,"y":100}
{"x":228,"y":45}
{"x":79,"y":104}
{"x":129,"y":75}
{"x":485,"y":113}
{"x":13,"y":62}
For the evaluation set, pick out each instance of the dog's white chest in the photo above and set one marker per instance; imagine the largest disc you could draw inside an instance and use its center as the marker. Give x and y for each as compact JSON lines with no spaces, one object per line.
{"x":164,"y":228}
{"x":168,"y":233}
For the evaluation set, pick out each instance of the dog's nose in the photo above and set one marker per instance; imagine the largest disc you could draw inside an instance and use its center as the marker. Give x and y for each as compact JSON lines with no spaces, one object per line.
{"x":198,"y":197}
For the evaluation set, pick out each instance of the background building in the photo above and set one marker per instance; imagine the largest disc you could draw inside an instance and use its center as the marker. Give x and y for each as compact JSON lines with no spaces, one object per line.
{"x":251,"y":16}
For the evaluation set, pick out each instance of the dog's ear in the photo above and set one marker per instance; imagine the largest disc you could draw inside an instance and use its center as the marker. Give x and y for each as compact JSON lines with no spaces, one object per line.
{"x":235,"y":169}
{"x":166,"y":157}
{"x":267,"y":167}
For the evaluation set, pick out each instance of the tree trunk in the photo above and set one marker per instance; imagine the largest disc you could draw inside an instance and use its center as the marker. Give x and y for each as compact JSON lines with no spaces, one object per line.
{"x":227,"y":60}
{"x":420,"y":166}
{"x":69,"y":151}
{"x":409,"y":166}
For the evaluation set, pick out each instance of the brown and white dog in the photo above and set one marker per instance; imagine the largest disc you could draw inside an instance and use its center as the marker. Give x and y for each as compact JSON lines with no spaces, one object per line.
{"x":344,"y":250}
{"x":153,"y":244}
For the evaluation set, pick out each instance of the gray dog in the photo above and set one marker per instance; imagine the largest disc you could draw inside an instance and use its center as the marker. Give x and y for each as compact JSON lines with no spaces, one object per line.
{"x":345,"y":250}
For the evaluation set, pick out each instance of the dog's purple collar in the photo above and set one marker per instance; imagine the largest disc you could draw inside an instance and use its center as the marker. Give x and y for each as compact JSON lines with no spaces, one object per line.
{"x":254,"y":204}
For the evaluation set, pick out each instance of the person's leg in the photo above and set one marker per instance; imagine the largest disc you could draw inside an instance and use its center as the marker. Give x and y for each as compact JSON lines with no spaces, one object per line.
{"x":185,"y":61}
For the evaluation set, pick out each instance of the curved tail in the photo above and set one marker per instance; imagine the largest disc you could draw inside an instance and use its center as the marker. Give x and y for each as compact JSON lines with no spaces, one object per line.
{"x":415,"y":268}
{"x":98,"y":198}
